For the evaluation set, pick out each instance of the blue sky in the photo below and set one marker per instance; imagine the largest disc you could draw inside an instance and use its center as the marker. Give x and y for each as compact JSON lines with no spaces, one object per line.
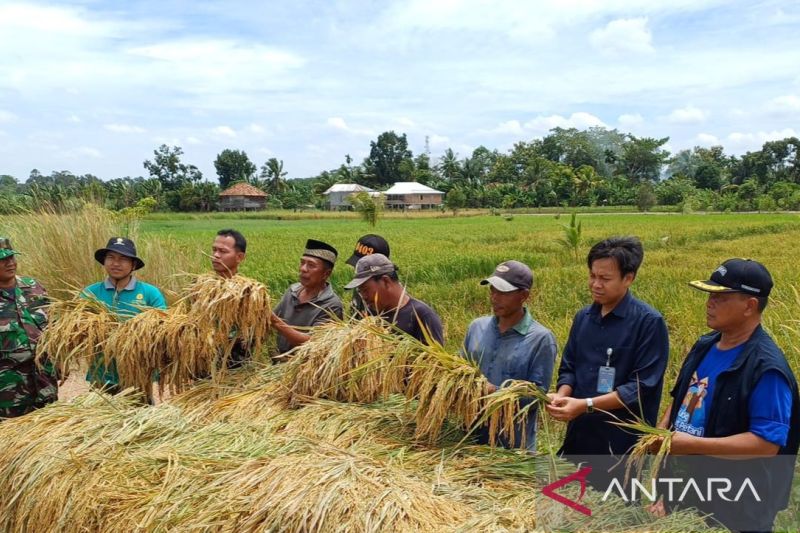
{"x":95,"y":87}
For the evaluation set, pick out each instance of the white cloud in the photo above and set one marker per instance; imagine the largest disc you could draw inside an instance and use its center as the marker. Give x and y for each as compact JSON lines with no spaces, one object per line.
{"x":124,"y":128}
{"x":438,"y":140}
{"x":193,"y":140}
{"x":338,"y":123}
{"x":628,"y":120}
{"x":787,"y":102}
{"x":754,"y":141}
{"x":580,"y":120}
{"x":256,"y":129}
{"x":406,"y":122}
{"x":687,"y":115}
{"x":85,"y":151}
{"x":225,"y":131}
{"x":74,"y":119}
{"x":623,"y":36}
{"x":7,"y":116}
{"x":706,"y":139}
{"x":510,"y":127}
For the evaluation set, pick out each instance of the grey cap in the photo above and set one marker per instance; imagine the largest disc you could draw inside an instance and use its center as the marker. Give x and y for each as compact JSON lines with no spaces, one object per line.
{"x":369,"y":266}
{"x":510,"y":276}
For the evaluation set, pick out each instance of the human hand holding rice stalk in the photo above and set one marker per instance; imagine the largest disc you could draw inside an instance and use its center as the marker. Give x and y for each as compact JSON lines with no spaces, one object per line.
{"x":652,"y":440}
{"x":76,"y":333}
{"x":504,"y":411}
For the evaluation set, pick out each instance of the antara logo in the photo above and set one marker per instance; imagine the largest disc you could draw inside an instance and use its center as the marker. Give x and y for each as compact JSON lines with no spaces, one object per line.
{"x":580,"y":477}
{"x":716,"y":487}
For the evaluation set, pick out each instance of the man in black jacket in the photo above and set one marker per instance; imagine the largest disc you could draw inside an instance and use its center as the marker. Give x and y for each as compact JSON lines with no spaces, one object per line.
{"x":736,"y":398}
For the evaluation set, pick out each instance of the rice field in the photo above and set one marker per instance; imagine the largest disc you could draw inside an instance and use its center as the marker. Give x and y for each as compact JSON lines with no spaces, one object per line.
{"x":372,"y":445}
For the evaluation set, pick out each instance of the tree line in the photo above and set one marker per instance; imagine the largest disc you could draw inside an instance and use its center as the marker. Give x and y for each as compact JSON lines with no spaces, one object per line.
{"x":567,"y":167}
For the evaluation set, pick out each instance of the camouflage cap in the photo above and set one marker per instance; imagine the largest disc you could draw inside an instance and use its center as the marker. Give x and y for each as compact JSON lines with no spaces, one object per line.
{"x":6,"y":250}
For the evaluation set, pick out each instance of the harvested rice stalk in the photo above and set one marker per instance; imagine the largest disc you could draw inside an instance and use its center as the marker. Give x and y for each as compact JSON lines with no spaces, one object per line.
{"x":445,"y":384}
{"x":650,"y":437}
{"x":352,"y":361}
{"x":76,"y":332}
{"x":190,"y":348}
{"x":507,"y":409}
{"x":237,"y":305}
{"x":139,"y":350}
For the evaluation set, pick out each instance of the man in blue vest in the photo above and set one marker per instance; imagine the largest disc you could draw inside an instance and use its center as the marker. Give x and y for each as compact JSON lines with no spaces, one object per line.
{"x":736,"y":398}
{"x":123,"y":294}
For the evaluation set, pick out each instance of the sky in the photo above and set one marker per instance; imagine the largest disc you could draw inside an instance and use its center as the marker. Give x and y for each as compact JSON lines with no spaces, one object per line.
{"x":94,"y":87}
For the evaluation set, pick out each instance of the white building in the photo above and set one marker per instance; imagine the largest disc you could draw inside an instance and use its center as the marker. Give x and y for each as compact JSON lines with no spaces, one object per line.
{"x":413,"y":195}
{"x":337,"y":197}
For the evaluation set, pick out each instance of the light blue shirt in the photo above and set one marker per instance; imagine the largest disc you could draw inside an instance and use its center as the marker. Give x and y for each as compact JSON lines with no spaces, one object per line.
{"x":526,"y":351}
{"x":131,"y":300}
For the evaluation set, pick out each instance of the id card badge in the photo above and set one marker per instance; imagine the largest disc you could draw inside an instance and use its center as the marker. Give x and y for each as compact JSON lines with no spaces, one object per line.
{"x":605,"y":379}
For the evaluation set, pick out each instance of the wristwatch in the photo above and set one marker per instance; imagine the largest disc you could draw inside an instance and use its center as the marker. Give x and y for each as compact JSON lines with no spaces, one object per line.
{"x":589,"y":405}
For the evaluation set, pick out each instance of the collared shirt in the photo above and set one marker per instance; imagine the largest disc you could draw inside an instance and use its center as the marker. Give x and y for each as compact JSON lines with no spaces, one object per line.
{"x":638,"y":338}
{"x":316,"y":311}
{"x":126,"y":303}
{"x":526,"y":351}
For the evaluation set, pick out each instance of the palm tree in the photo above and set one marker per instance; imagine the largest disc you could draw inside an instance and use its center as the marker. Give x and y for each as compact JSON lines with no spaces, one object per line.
{"x":272,"y":171}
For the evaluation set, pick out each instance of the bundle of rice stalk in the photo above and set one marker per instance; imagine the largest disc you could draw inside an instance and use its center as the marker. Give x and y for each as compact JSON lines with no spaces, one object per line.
{"x":445,"y":384}
{"x":239,"y":307}
{"x":351,"y":361}
{"x":139,"y":350}
{"x":507,"y":409}
{"x":329,"y":489}
{"x":650,"y":437}
{"x":190,"y":350}
{"x":76,"y":332}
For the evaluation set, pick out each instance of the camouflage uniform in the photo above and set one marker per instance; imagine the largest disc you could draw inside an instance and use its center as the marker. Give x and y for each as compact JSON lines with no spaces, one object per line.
{"x":23,"y":386}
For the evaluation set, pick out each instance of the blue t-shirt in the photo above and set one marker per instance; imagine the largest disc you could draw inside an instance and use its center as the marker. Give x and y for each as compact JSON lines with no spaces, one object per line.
{"x":770,"y":403}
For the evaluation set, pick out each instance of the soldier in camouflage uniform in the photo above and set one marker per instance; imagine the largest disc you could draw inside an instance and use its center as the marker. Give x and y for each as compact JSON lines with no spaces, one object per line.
{"x":23,"y":304}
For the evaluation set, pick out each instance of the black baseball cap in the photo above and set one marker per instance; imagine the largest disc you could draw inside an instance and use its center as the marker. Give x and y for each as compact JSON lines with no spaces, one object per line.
{"x":368,"y":245}
{"x":122,"y":246}
{"x":738,"y":275}
{"x":510,"y":276}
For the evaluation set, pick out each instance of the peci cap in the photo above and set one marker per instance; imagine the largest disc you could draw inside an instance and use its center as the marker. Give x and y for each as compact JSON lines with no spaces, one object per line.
{"x":510,"y":276}
{"x":368,"y":245}
{"x":370,"y":266}
{"x":738,"y":275}
{"x":321,"y":250}
{"x":122,"y":246}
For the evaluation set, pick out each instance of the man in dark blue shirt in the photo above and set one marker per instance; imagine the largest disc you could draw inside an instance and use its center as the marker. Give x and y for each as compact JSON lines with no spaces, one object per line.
{"x":614,"y":359}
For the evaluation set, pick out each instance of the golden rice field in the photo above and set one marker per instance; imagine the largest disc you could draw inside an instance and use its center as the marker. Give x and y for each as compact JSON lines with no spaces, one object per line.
{"x":247,"y":453}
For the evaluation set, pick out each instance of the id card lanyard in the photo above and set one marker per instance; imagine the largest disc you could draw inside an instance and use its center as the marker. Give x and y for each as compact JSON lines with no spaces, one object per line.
{"x":605,"y":375}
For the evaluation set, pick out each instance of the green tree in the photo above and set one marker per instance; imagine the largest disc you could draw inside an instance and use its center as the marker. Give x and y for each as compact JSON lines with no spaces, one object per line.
{"x":389,"y":160}
{"x":167,"y":168}
{"x":455,"y":199}
{"x":233,"y":166}
{"x":272,"y":174}
{"x":642,"y":159}
{"x":368,"y":206}
{"x":645,"y":197}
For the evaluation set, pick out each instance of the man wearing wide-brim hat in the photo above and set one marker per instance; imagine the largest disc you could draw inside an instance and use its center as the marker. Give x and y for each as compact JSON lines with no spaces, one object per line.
{"x":736,"y":398}
{"x":123,"y":294}
{"x":23,"y":317}
{"x":309,"y":302}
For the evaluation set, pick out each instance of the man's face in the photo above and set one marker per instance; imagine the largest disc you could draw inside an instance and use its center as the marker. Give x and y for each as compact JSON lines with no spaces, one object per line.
{"x":225,"y":258}
{"x":507,"y":304}
{"x":314,"y":272}
{"x":371,"y":291}
{"x":8,"y":269}
{"x":117,"y":266}
{"x":606,"y":282}
{"x":726,"y":311}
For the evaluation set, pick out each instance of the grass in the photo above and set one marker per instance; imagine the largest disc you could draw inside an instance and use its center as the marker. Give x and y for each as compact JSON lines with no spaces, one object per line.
{"x":442,"y":260}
